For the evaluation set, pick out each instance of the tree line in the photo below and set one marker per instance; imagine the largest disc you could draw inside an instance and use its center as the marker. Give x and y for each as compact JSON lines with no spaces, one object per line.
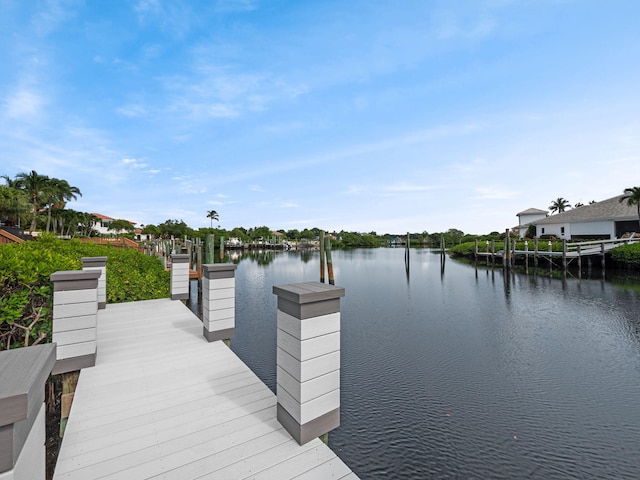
{"x":33,"y":198}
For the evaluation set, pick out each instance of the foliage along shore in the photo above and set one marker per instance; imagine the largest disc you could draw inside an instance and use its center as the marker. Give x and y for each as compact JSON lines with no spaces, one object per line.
{"x":26,"y":291}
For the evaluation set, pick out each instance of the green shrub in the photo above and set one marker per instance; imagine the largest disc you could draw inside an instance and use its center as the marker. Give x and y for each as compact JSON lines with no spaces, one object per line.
{"x":629,"y":255}
{"x":26,"y":289}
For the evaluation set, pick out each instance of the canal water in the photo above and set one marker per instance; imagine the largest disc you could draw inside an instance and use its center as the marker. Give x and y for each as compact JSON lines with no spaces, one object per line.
{"x":454,"y":372}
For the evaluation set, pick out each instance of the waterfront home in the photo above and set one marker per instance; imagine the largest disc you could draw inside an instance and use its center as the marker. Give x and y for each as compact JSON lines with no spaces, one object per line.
{"x":606,"y":220}
{"x":102,"y":225}
{"x":527,"y":217}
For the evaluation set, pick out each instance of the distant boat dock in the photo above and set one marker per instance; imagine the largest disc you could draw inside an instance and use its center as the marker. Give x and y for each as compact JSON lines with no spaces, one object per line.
{"x":570,"y":250}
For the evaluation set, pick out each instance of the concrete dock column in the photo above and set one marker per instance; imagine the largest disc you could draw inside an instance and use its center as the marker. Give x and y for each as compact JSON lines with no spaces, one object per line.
{"x":219,"y":301}
{"x":99,"y":264}
{"x":75,"y":319}
{"x":308,"y":358}
{"x":179,"y":276}
{"x":22,"y":411}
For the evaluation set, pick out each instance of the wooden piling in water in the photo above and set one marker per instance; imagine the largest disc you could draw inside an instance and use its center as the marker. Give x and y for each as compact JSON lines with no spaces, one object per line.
{"x":564,"y":254}
{"x":329,"y":260}
{"x":579,"y":261}
{"x":199,"y":259}
{"x":506,"y":258}
{"x":493,"y":253}
{"x":321,"y":256}
{"x":535,"y":254}
{"x":221,"y":249}
{"x":209,"y":249}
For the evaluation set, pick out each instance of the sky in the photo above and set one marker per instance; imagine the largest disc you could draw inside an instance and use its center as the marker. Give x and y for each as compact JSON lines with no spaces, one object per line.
{"x":356,"y":115}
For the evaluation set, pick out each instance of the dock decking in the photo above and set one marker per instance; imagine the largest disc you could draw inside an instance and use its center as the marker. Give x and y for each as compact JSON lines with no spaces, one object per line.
{"x":162,"y":402}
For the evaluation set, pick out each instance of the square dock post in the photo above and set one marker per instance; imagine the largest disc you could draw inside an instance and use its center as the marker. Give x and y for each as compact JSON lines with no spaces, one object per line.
{"x":22,"y":411}
{"x":99,"y":264}
{"x":219,"y":301}
{"x":75,"y":319}
{"x":179,"y":276}
{"x":308,"y":359}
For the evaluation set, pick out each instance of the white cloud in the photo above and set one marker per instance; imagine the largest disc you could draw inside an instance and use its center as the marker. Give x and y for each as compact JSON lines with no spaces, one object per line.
{"x":24,"y":104}
{"x":132,"y":110}
{"x":494,"y":192}
{"x":134,"y":163}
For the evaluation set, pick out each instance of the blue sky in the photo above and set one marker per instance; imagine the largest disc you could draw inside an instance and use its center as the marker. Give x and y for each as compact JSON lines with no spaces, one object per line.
{"x":411,"y":115}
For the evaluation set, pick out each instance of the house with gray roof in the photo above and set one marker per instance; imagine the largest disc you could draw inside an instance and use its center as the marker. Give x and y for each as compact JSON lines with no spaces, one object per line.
{"x":607,"y":219}
{"x":527,"y":217}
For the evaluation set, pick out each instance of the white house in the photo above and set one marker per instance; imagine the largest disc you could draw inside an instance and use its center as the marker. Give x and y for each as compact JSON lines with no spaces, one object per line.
{"x":607,"y":219}
{"x":527,"y":217}
{"x":102,"y":225}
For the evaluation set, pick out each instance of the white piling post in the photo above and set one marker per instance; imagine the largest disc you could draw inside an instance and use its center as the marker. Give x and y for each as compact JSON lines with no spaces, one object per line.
{"x":75,"y":319}
{"x":219,"y":301}
{"x":98,"y":264}
{"x":23,"y":376}
{"x":179,"y":276}
{"x":308,"y":358}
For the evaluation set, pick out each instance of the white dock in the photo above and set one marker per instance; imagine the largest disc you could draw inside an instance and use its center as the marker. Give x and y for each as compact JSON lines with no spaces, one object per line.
{"x":162,"y":402}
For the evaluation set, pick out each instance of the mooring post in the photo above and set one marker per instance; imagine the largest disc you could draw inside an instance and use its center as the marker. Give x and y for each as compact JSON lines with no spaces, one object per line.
{"x":308,"y":359}
{"x":535,"y":254}
{"x":550,"y":248}
{"x":526,"y":256}
{"x":98,"y":264}
{"x":179,"y":276}
{"x":486,"y":251}
{"x":506,"y":259}
{"x":219,"y":301}
{"x":327,"y":251}
{"x":602,"y":250}
{"x":75,"y":317}
{"x":209,"y":250}
{"x":23,"y":436}
{"x":564,"y":253}
{"x":475,"y":250}
{"x":579,"y":260}
{"x":493,"y":253}
{"x":321,"y":256}
{"x":74,"y":327}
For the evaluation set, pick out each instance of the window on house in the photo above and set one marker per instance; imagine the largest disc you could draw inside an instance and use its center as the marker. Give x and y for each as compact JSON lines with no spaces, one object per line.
{"x":561,"y":230}
{"x":543,"y":230}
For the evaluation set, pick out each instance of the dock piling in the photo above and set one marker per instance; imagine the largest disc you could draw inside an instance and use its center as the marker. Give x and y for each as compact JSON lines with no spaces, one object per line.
{"x":308,"y":359}
{"x":179,"y":276}
{"x":219,"y":301}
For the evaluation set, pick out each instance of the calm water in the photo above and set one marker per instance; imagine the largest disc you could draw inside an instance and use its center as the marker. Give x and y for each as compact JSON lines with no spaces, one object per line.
{"x":465,"y":374}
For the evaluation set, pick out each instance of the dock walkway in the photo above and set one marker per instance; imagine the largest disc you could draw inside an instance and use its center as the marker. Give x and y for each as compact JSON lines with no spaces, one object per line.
{"x":162,"y":402}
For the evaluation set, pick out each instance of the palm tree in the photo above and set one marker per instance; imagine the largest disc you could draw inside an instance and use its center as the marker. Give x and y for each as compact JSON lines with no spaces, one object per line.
{"x":632,"y":197}
{"x":213,"y":215}
{"x":33,"y":184}
{"x":13,"y":201}
{"x":559,"y":205}
{"x":56,"y":193}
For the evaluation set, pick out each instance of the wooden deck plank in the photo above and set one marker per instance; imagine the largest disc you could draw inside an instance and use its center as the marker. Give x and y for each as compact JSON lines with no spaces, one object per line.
{"x":162,"y":402}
